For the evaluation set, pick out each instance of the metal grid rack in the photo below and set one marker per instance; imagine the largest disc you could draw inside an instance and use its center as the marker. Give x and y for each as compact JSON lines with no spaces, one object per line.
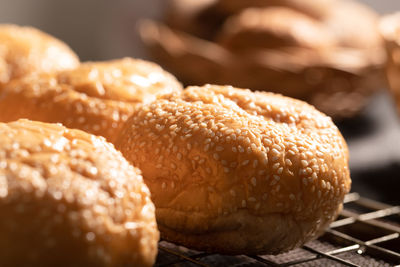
{"x":367,"y":233}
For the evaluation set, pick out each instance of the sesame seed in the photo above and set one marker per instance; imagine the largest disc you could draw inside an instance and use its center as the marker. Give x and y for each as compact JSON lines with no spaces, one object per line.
{"x":206,"y":147}
{"x":216,"y":156}
{"x":275,"y":152}
{"x":245,"y":162}
{"x":275,"y":166}
{"x":304,"y":163}
{"x":234,"y":150}
{"x":276,"y":177}
{"x":163,"y":185}
{"x":243,"y":203}
{"x":280,"y":170}
{"x":229,"y":131}
{"x":288,"y":162}
{"x":240,"y":149}
{"x":254,"y":181}
{"x":252,"y":199}
{"x":274,"y":158}
{"x":255,"y":163}
{"x":219,"y":148}
{"x":232,"y":192}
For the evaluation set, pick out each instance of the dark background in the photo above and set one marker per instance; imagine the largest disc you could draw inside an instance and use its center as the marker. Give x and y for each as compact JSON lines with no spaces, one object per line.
{"x":104,"y":29}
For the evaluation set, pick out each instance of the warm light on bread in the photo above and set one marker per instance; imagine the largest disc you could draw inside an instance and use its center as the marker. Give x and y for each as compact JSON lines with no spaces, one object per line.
{"x":238,"y":172}
{"x":69,"y":198}
{"x":96,"y":97}
{"x":26,"y":50}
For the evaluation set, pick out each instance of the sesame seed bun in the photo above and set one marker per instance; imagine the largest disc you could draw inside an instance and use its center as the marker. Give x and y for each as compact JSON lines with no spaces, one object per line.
{"x":390,"y":30}
{"x":96,"y":97}
{"x":69,"y":197}
{"x":26,"y":50}
{"x":235,"y":171}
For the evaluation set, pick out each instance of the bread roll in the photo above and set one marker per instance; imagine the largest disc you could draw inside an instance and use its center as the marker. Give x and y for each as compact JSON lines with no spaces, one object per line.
{"x":26,"y":50}
{"x":390,"y":30}
{"x":273,"y":28}
{"x":306,"y":49}
{"x":238,"y":172}
{"x":68,"y":198}
{"x":96,"y":97}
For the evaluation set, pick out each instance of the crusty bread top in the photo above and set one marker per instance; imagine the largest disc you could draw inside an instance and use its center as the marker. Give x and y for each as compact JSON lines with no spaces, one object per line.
{"x":260,"y":151}
{"x":78,"y":180}
{"x":96,"y":97}
{"x":25,"y":50}
{"x":126,"y":80}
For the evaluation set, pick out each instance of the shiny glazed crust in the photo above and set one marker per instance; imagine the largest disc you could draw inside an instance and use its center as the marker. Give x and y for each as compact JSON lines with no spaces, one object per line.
{"x":68,"y":198}
{"x":238,"y":172}
{"x":26,"y":50}
{"x":96,"y":97}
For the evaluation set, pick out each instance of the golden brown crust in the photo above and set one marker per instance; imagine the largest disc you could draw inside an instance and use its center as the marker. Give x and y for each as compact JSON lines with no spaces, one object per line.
{"x":273,"y":28}
{"x":96,"y":97}
{"x":238,"y":172}
{"x":390,"y":30}
{"x":69,"y":198}
{"x":26,"y":50}
{"x":312,"y":54}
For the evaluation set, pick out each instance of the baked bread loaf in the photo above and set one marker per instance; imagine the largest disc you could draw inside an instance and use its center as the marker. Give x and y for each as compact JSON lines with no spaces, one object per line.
{"x":390,"y":30}
{"x":238,"y":172}
{"x":26,"y":50}
{"x":68,"y":198}
{"x":96,"y":97}
{"x":306,"y":49}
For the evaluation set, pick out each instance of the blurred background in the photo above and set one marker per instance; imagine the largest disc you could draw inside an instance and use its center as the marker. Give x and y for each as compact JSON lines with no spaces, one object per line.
{"x":103,"y":29}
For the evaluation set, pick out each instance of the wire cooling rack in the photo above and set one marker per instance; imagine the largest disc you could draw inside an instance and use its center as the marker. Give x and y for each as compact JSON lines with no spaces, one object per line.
{"x":367,"y":233}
